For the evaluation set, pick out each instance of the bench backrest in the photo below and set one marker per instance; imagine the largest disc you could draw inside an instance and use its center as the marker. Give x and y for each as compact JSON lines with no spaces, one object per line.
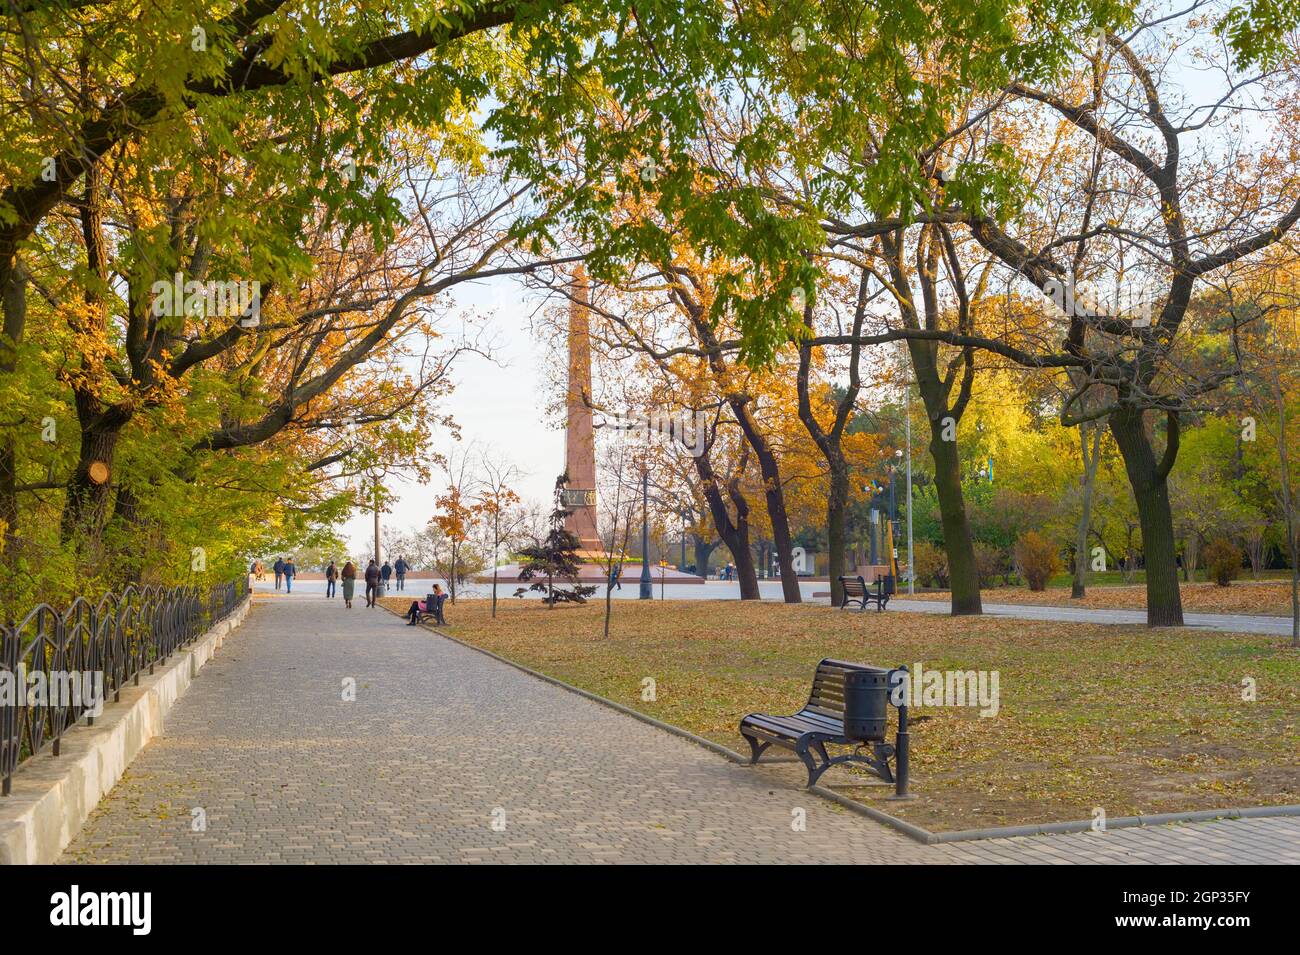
{"x":827,"y":695}
{"x":853,"y":586}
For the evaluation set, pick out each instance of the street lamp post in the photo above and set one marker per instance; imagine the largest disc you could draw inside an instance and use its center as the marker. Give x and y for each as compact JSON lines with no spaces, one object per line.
{"x":647,"y":590}
{"x":893,"y":519}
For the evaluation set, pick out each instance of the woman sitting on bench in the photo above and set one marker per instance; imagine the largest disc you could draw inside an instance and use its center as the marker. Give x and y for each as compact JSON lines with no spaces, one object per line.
{"x":421,"y":608}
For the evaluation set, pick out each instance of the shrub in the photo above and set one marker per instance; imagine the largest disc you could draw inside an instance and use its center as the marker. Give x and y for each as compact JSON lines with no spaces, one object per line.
{"x":931,"y":564}
{"x":1222,"y":561}
{"x":1038,"y":558}
{"x":989,"y":563}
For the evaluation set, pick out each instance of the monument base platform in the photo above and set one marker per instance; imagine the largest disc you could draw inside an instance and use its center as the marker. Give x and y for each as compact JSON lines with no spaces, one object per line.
{"x":594,"y":573}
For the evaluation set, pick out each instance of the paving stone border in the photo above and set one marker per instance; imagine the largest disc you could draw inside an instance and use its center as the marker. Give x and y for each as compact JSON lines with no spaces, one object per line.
{"x":919,"y":833}
{"x":53,"y":795}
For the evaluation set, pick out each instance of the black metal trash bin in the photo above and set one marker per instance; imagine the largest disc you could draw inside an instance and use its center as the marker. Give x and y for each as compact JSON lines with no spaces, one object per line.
{"x":866,"y":704}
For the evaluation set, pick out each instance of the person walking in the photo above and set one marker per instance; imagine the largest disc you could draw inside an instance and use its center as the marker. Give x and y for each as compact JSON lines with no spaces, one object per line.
{"x":372,"y":582}
{"x":290,"y":572}
{"x":386,"y":572}
{"x":400,"y":568}
{"x":278,"y":567}
{"x":331,"y":572}
{"x":349,"y":577}
{"x":616,"y":576}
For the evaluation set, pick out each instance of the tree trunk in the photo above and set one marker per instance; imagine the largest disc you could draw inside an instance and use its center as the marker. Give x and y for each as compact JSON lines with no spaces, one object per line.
{"x":451,"y":580}
{"x":1191,"y":556}
{"x":774,"y":495}
{"x":1256,"y":546}
{"x":836,"y":506}
{"x":1288,"y":506}
{"x":734,"y":534}
{"x":743,"y":554}
{"x":87,"y":508}
{"x":1079,"y":588}
{"x":496,"y":547}
{"x":703,"y":551}
{"x":963,"y":572}
{"x":15,"y":321}
{"x":89,"y":494}
{"x":1149,"y":481}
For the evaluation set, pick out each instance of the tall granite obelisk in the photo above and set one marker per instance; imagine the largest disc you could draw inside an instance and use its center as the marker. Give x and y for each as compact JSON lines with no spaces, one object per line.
{"x":579,"y":431}
{"x":580,"y":463}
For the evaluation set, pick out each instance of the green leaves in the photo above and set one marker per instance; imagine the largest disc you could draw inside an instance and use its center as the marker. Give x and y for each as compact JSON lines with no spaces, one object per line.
{"x":1258,"y":31}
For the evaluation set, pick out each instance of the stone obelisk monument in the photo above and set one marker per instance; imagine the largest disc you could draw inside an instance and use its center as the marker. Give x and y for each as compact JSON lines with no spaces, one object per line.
{"x":579,"y":431}
{"x":580,"y":461}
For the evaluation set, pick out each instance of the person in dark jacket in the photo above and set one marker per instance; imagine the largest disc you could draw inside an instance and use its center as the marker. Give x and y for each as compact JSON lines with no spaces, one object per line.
{"x":372,"y":583}
{"x":400,"y":568}
{"x":290,"y":572}
{"x":331,"y":572}
{"x":386,"y":572}
{"x":278,"y":567}
{"x":349,"y":578}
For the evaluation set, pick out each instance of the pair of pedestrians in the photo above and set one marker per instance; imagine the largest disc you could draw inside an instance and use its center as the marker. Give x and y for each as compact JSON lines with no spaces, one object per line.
{"x":400,"y":568}
{"x":286,"y":571}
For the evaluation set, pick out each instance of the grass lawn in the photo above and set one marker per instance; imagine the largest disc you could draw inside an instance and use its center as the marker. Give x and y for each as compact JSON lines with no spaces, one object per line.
{"x":1128,"y":719}
{"x":1267,"y":597}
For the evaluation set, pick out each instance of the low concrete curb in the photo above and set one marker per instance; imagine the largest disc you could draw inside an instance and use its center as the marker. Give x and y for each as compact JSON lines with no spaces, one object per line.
{"x":53,"y":795}
{"x":1121,"y":822}
{"x":909,"y":829}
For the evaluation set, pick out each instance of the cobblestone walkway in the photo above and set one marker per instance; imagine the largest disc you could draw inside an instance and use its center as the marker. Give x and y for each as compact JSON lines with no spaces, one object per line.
{"x":448,"y":756}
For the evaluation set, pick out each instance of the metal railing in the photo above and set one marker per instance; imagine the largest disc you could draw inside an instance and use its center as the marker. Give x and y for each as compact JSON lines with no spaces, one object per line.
{"x":56,"y":668}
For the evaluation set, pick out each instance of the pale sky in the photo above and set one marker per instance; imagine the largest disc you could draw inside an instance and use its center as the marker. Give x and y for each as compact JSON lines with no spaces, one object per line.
{"x":500,"y":406}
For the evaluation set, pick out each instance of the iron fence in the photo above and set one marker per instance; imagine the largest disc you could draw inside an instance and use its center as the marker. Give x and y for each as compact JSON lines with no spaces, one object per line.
{"x":55,"y":667}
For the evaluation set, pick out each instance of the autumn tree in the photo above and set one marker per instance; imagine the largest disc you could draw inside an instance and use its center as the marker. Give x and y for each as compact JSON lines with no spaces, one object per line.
{"x":455,"y":514}
{"x":497,"y":506}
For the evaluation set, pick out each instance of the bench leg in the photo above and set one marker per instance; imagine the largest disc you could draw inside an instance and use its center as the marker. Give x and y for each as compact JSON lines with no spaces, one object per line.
{"x":827,"y":763}
{"x":756,"y":749}
{"x":814,"y":771}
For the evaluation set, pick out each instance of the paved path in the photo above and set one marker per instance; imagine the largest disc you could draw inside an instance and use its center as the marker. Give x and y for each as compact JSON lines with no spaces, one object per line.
{"x":448,"y":756}
{"x":1230,"y":622}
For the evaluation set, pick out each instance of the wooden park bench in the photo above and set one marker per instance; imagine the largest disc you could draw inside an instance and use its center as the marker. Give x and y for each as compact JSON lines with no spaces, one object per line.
{"x":857,"y":592}
{"x":849,"y":706}
{"x":433,"y":609}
